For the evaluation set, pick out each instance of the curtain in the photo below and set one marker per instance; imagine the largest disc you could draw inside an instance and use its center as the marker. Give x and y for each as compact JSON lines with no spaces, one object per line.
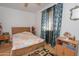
{"x":57,"y":21}
{"x":44,"y":24}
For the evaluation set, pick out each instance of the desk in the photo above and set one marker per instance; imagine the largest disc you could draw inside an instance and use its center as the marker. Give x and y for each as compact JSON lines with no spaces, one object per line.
{"x":66,"y":47}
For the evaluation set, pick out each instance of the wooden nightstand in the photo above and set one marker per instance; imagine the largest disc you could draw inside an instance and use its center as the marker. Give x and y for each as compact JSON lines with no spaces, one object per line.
{"x":4,"y":39}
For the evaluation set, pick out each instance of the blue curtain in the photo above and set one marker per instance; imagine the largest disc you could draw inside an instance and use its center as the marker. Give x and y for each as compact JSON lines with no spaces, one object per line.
{"x":57,"y":21}
{"x":44,"y":24}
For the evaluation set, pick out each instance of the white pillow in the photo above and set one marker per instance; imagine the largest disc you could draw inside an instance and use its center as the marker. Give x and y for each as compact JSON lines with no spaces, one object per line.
{"x":26,"y":33}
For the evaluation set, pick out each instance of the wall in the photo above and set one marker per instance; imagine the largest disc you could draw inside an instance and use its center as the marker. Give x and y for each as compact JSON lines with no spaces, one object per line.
{"x":38,"y":23}
{"x":12,"y":17}
{"x":67,"y":24}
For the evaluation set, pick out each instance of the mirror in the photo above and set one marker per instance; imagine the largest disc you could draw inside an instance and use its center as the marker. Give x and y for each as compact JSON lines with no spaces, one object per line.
{"x":74,"y":13}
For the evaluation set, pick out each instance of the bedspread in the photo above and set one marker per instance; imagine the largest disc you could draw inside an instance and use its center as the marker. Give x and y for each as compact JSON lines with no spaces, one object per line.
{"x":24,"y":39}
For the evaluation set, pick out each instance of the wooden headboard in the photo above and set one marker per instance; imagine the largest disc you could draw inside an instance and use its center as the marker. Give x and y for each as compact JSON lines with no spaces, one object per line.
{"x":20,"y":29}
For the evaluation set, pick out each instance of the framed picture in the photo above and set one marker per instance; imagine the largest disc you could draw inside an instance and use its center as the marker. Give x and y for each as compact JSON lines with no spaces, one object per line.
{"x":74,"y":13}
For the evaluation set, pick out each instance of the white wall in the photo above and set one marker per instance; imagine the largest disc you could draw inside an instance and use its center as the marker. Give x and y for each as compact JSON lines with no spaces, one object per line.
{"x":67,"y":24}
{"x":12,"y":17}
{"x":38,"y":23}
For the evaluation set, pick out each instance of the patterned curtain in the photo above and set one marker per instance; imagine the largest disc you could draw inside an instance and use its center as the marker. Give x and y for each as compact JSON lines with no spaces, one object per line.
{"x":44,"y":24}
{"x":57,"y":20}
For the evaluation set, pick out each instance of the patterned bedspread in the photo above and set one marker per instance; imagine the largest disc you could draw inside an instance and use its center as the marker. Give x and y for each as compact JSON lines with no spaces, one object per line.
{"x":24,"y":39}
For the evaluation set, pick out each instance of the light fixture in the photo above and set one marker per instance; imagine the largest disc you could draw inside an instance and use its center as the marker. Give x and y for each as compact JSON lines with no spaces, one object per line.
{"x":26,"y":4}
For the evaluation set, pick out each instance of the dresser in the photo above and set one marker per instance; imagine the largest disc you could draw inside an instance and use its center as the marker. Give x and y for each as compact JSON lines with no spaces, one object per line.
{"x":66,"y":47}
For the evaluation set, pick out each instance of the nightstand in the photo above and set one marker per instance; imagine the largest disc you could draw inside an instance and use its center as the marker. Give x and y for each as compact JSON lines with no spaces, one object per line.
{"x":4,"y":38}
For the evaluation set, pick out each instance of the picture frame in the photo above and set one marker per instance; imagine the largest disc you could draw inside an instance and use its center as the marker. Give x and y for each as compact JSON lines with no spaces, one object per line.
{"x":74,"y":13}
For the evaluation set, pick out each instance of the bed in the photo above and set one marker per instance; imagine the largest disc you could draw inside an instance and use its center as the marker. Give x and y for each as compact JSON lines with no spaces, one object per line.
{"x":24,"y":41}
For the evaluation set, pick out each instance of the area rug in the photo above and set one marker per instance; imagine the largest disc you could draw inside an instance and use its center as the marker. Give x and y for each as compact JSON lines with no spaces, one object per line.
{"x":40,"y":52}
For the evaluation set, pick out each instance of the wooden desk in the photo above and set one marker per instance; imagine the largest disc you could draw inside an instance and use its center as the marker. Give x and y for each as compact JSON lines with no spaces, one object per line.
{"x":63,"y":49}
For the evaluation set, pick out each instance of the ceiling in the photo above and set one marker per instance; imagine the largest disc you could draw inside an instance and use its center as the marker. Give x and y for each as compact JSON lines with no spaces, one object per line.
{"x":31,"y":7}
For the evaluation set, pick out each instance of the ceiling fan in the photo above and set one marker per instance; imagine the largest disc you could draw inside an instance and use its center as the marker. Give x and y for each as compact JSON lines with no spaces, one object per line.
{"x":26,"y":4}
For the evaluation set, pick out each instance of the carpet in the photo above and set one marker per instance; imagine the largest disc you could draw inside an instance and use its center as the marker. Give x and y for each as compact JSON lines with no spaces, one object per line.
{"x":40,"y":52}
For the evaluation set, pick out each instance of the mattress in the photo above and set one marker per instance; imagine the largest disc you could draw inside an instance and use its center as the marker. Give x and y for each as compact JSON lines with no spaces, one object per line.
{"x":24,"y":39}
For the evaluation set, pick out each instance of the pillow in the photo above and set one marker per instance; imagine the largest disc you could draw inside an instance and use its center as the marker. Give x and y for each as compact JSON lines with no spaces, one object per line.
{"x":17,"y":34}
{"x":27,"y":33}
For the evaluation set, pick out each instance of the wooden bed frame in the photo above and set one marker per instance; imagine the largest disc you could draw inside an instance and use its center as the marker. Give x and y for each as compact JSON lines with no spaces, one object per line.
{"x":22,"y":51}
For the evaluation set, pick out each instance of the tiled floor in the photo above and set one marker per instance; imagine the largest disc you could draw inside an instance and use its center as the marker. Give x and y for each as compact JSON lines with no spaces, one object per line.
{"x":51,"y":50}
